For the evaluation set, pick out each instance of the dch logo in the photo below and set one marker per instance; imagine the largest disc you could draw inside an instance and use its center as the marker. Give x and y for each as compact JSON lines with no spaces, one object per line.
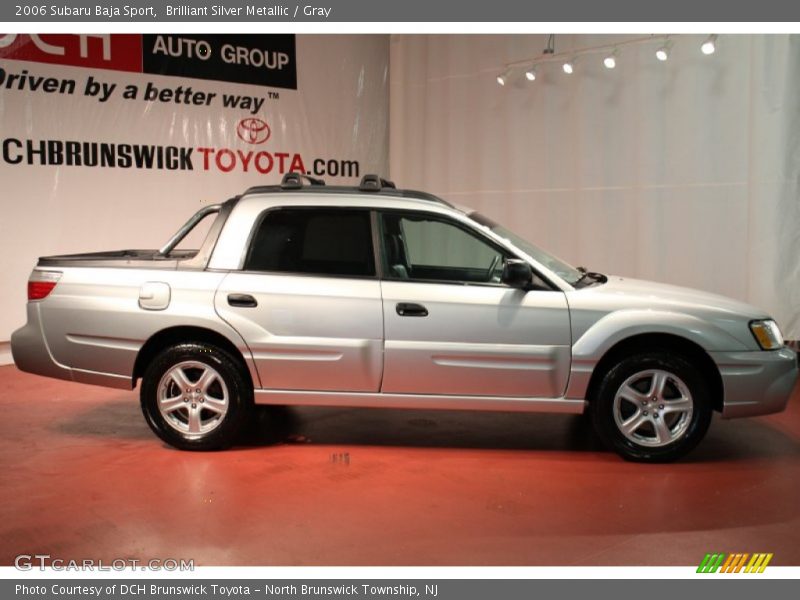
{"x":118,"y":52}
{"x":56,"y":50}
{"x":253,"y":130}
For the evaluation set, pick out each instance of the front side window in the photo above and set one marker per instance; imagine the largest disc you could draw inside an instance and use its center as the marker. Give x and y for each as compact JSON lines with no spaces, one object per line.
{"x":313,"y":241}
{"x":426,"y":247}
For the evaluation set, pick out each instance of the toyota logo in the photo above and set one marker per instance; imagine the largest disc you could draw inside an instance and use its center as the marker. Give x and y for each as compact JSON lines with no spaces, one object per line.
{"x":253,"y":130}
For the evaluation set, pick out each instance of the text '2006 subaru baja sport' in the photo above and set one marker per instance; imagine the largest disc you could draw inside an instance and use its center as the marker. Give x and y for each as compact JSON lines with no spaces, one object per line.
{"x":371,"y":296}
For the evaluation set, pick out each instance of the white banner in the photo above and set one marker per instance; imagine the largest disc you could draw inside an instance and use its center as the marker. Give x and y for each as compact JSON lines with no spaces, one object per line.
{"x":97,"y":159}
{"x":683,"y":171}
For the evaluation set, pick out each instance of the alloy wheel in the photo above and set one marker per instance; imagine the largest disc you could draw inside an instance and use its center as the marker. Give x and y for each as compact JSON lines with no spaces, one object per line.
{"x":192,"y":398}
{"x":653,"y":408}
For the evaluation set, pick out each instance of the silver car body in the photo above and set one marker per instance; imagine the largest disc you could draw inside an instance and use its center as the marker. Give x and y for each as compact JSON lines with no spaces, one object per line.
{"x":339,"y":341}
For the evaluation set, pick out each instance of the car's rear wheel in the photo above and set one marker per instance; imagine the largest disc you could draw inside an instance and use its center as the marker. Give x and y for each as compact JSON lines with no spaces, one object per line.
{"x":652,"y":407}
{"x":195,"y":396}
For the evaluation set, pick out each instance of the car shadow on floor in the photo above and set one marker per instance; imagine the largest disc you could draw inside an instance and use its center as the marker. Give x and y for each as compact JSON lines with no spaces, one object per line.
{"x":120,"y":419}
{"x":743,"y":439}
{"x":419,"y":429}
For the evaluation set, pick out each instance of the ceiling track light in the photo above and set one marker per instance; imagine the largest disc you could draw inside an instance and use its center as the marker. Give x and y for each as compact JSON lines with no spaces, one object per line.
{"x":610,"y":53}
{"x":710,"y":45}
{"x":610,"y":61}
{"x":662,"y":53}
{"x":502,"y":79}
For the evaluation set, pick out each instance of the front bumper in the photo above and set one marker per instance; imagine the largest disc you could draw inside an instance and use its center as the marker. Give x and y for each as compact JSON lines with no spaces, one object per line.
{"x":756,"y":383}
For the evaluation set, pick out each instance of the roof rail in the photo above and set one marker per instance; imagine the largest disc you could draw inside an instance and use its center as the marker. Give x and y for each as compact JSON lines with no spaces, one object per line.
{"x":375,"y":183}
{"x":294,"y":181}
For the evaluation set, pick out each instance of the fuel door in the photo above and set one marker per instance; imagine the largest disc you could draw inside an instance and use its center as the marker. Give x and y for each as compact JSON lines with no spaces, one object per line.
{"x":154,"y":295}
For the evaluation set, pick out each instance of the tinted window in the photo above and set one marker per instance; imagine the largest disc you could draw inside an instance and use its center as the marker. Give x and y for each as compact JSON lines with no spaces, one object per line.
{"x":418,"y":246}
{"x":317,"y":241}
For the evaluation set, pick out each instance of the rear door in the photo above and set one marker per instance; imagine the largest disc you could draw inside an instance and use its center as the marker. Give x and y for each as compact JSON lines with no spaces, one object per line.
{"x":308,"y":302}
{"x":452,"y":328}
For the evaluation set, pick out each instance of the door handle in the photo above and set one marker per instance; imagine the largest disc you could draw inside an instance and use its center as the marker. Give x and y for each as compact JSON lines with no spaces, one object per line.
{"x":242,"y":300}
{"x":409,"y":309}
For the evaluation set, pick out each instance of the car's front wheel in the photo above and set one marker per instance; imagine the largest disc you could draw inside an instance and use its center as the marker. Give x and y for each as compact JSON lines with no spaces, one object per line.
{"x":195,"y":396}
{"x":652,"y":407}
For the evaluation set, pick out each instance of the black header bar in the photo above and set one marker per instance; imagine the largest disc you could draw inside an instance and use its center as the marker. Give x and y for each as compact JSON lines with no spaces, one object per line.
{"x":542,"y":11}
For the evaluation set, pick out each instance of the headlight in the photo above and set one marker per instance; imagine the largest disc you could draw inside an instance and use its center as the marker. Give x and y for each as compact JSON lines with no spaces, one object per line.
{"x":767,"y":334}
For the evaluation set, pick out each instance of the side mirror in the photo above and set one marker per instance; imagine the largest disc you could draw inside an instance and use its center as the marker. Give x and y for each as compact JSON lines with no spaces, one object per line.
{"x":516,"y":273}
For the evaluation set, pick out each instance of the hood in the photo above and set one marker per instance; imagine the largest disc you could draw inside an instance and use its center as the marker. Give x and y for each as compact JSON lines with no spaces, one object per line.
{"x":637,"y":293}
{"x":594,"y":303}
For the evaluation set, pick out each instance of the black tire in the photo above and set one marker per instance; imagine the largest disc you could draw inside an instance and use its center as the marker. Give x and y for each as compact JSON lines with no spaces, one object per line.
{"x":635,"y":371}
{"x":228,"y":381}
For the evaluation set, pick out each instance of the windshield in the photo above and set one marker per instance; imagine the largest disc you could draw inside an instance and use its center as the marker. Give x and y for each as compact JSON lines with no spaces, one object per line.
{"x":564,"y":270}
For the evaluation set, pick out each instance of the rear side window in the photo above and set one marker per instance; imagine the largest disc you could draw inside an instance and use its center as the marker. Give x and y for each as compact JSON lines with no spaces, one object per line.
{"x":313,"y":241}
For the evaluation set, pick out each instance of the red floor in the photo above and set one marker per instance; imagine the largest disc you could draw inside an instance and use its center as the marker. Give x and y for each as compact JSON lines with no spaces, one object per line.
{"x":83,"y":477}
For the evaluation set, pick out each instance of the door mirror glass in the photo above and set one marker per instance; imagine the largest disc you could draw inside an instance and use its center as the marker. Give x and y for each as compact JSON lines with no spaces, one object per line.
{"x":517,"y":273}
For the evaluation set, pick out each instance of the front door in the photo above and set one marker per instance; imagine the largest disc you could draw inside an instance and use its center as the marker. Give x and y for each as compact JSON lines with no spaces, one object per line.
{"x":453,"y":328}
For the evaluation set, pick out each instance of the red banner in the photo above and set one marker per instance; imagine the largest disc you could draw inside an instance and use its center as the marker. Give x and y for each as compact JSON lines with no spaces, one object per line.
{"x":118,"y":52}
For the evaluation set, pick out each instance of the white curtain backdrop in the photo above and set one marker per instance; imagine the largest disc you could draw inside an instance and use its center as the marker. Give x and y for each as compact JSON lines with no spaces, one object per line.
{"x":685,"y":172}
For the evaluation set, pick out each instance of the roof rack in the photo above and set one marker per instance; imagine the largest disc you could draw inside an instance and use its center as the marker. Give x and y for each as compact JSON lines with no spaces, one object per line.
{"x":373,"y":184}
{"x":294,"y":181}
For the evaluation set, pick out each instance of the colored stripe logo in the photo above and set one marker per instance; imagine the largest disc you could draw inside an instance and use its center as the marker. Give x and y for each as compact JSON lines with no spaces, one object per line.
{"x":719,"y":562}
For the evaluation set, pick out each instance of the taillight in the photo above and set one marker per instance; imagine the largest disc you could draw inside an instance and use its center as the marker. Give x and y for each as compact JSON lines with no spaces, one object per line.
{"x":41,"y":283}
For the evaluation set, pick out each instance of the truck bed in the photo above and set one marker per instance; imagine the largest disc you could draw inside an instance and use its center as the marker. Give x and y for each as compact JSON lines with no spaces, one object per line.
{"x":168,"y":257}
